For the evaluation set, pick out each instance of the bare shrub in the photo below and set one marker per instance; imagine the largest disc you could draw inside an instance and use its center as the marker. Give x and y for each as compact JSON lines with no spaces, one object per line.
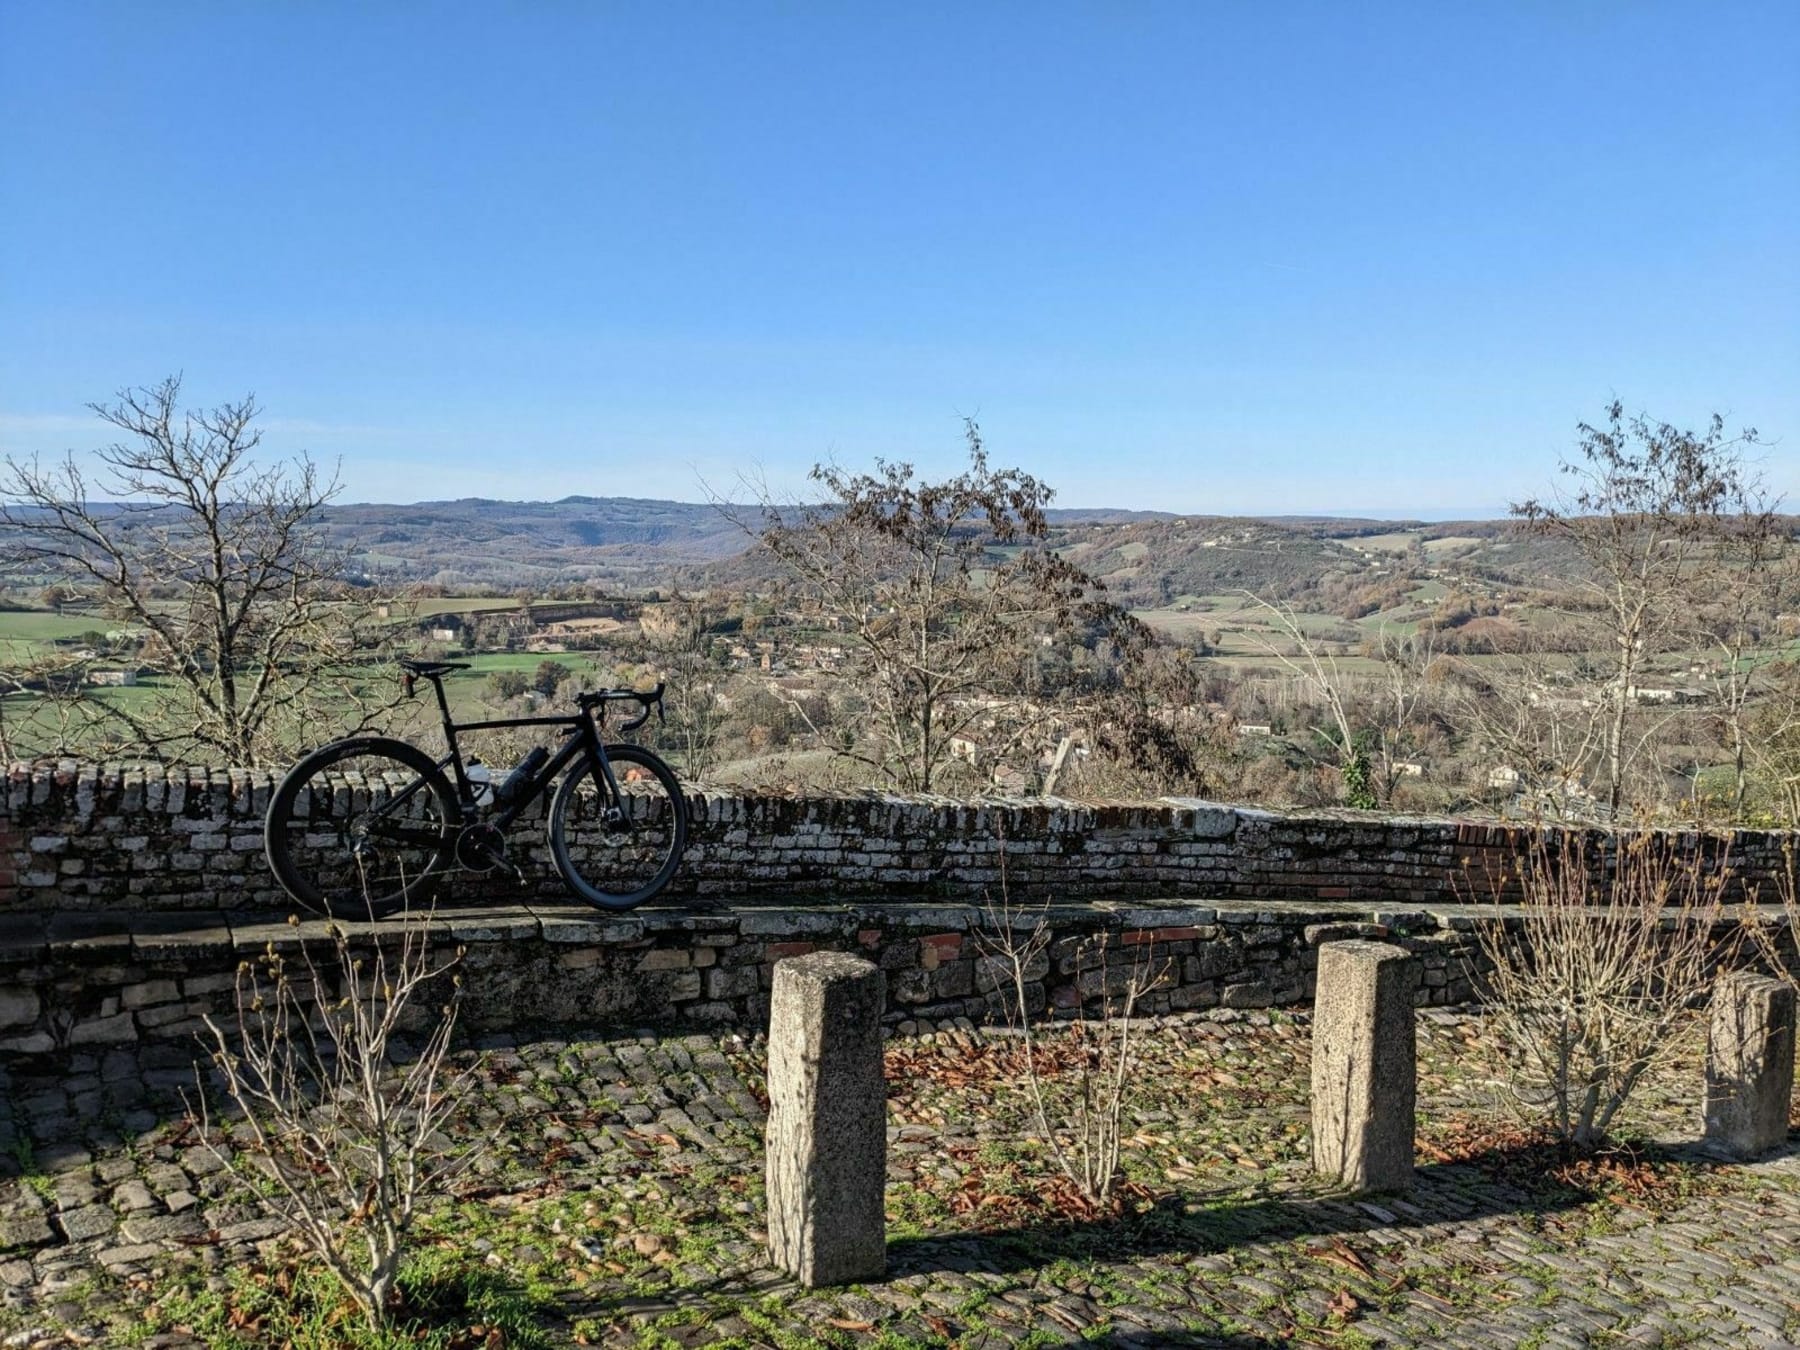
{"x":344,"y":1141}
{"x":1590,"y":977}
{"x":1779,"y":940}
{"x":1078,"y":1076}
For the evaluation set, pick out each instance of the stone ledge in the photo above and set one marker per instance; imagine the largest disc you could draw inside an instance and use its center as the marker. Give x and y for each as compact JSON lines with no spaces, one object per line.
{"x":161,"y":934}
{"x":143,"y":983}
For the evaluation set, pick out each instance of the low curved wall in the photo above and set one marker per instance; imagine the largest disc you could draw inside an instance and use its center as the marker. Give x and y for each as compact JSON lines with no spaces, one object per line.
{"x":83,"y":989}
{"x":106,"y":836}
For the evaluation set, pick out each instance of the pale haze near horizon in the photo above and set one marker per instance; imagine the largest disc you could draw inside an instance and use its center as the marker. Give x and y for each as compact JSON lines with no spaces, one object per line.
{"x":1215,"y":260}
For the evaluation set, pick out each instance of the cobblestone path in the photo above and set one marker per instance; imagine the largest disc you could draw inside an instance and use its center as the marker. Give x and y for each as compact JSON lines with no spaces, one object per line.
{"x":622,"y":1191}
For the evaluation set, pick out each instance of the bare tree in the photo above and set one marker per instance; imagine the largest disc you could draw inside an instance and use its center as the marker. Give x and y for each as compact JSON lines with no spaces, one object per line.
{"x":1748,"y":576}
{"x":348,"y":1141}
{"x":1401,"y":705}
{"x":949,"y":594}
{"x":216,"y":558}
{"x":1645,"y":498}
{"x":45,"y":708}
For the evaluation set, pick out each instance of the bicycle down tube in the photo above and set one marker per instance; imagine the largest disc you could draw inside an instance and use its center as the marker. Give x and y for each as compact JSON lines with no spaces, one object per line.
{"x":580,"y":736}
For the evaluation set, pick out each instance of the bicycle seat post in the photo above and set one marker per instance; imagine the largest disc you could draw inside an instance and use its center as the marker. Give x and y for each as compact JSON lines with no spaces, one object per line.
{"x":435,"y":672}
{"x":437,"y":683}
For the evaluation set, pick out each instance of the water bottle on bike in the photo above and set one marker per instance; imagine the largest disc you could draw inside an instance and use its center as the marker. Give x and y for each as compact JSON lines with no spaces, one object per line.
{"x":521,"y":775}
{"x":481,"y":782}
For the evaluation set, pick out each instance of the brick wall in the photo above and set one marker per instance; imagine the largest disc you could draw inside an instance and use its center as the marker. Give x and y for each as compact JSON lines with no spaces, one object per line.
{"x":104,"y":837}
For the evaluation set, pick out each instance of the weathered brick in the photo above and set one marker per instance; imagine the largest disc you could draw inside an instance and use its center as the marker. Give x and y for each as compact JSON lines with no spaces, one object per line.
{"x":940,"y":947}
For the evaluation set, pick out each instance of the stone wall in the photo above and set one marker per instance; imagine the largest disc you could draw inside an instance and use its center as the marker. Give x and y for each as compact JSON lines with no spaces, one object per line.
{"x":103,"y":837}
{"x":75,"y":988}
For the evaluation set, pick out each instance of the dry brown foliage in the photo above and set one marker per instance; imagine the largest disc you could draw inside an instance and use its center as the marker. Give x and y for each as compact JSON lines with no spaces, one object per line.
{"x":1589,"y":977}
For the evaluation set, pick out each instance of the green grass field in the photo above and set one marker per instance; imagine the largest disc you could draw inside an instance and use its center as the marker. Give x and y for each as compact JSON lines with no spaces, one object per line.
{"x":26,"y":634}
{"x":40,"y":625}
{"x":1401,"y":622}
{"x":470,"y":695}
{"x":1244,"y":628}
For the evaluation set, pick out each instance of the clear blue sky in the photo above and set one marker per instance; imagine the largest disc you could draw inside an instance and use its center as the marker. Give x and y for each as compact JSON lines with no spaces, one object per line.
{"x":1199,"y":257}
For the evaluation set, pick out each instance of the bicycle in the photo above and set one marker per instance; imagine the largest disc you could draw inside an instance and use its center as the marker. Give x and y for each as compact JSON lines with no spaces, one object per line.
{"x":365,"y":825}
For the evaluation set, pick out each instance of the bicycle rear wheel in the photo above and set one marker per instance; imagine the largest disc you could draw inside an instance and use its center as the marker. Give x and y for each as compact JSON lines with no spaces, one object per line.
{"x":362,"y":827}
{"x":616,"y":855}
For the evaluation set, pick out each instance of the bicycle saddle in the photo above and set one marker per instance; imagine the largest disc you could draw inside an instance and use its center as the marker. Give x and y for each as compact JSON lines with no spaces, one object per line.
{"x":430,"y":669}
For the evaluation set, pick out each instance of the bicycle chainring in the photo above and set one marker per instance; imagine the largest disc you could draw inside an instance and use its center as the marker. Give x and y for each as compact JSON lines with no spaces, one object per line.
{"x":480,"y":848}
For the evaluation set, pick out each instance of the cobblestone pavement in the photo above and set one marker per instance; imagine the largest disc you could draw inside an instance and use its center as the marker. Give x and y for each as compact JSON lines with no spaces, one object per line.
{"x":622,"y":1195}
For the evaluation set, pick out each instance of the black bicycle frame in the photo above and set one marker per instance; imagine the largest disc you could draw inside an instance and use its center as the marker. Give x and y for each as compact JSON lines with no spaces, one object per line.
{"x":580,"y":736}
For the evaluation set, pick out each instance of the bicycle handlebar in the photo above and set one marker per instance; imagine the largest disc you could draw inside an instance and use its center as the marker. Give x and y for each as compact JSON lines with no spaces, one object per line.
{"x":651,"y":699}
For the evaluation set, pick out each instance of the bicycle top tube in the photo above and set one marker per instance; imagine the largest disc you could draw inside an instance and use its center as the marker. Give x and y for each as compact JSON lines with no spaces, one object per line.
{"x":573,"y":721}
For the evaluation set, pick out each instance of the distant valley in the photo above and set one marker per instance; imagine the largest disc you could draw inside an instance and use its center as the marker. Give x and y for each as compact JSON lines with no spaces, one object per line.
{"x":1148,"y":557}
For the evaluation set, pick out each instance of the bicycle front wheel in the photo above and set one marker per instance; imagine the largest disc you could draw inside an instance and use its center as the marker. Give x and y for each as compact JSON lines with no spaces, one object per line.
{"x":361,"y":827}
{"x":619,"y":854}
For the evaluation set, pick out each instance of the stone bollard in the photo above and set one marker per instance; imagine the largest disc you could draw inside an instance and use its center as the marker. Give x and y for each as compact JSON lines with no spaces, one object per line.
{"x":1749,"y":1064}
{"x":827,"y":1132}
{"x":1363,"y":1065}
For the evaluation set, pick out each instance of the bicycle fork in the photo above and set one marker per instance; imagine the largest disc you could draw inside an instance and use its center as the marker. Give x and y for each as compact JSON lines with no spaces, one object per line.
{"x":606,"y":783}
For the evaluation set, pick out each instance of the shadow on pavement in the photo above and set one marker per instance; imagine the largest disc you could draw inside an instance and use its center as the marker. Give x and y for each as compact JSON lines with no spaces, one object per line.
{"x":1464,"y":1191}
{"x":1487,"y":1184}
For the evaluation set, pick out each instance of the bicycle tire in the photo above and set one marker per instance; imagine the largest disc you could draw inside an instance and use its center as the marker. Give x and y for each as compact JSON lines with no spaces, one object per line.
{"x":593,"y":853}
{"x":336,"y":851}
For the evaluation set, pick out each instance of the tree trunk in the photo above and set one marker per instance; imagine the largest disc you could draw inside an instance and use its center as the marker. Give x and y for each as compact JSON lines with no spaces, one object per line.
{"x":1737,"y":764}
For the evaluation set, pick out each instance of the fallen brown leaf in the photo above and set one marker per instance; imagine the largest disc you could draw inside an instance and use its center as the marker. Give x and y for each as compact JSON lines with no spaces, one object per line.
{"x":1343,"y":1305}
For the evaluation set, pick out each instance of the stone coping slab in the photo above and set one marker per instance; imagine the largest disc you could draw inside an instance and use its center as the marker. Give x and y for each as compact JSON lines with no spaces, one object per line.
{"x":163,"y":934}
